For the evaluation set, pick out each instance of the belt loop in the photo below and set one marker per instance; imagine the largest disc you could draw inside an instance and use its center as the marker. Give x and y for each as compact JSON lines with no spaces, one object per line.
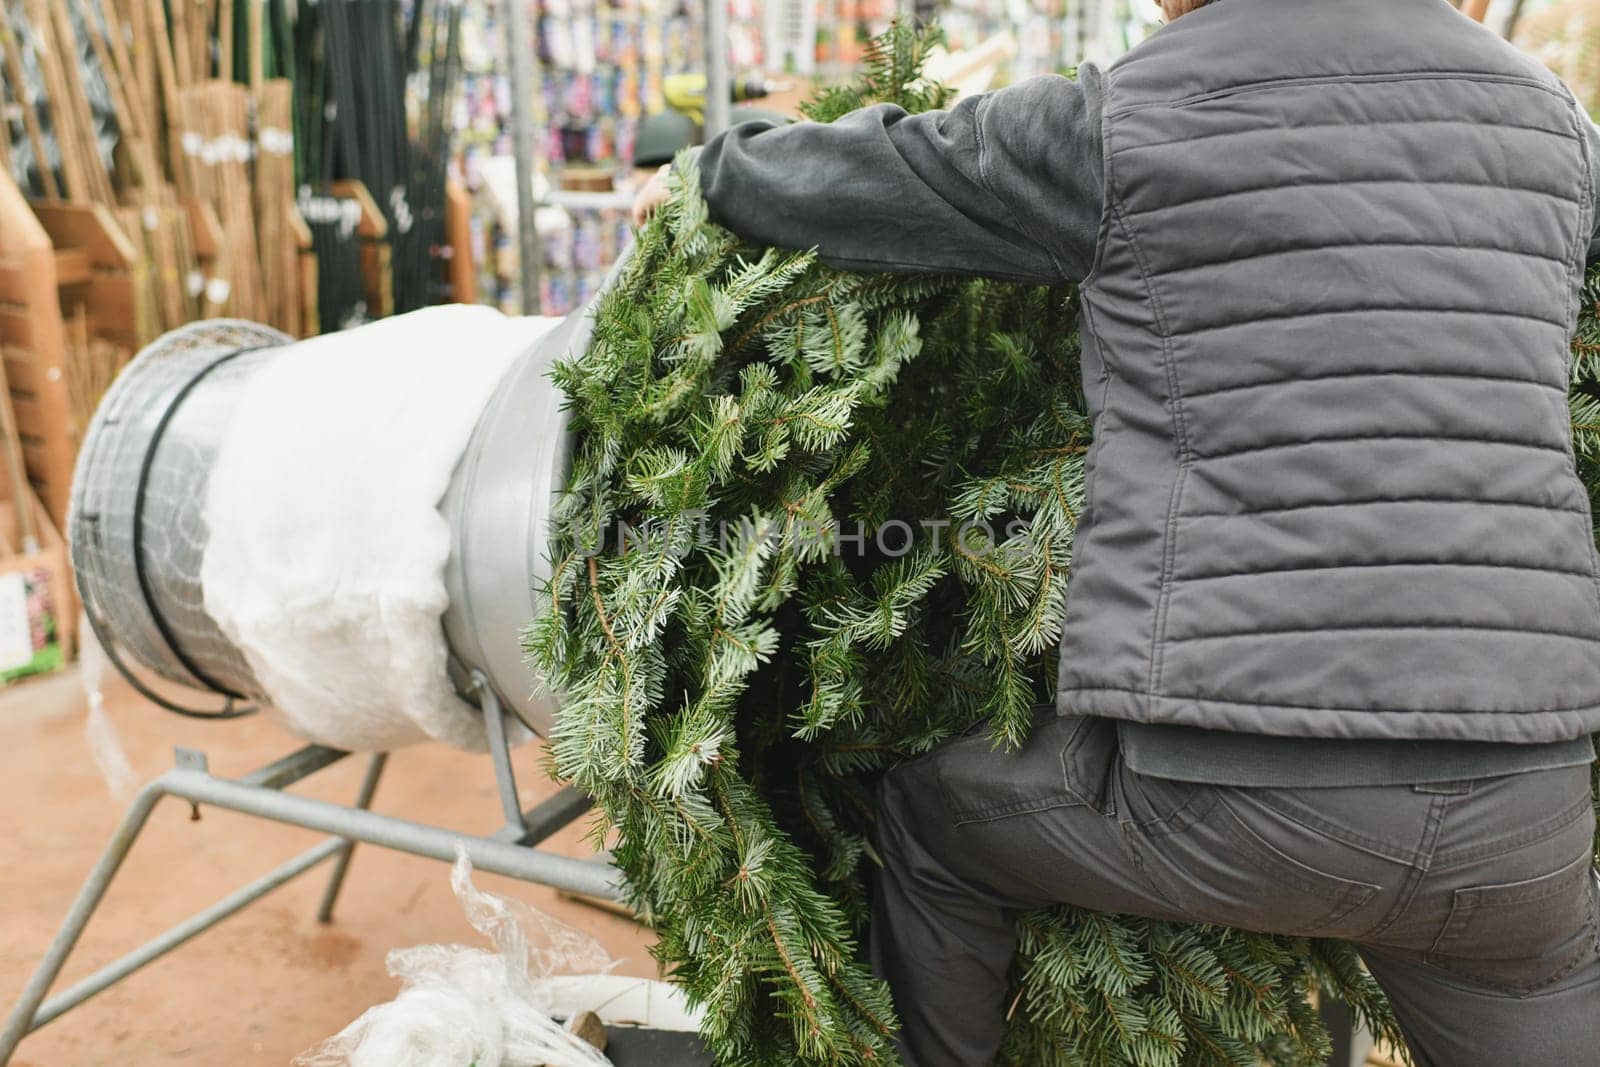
{"x":1460,"y":788}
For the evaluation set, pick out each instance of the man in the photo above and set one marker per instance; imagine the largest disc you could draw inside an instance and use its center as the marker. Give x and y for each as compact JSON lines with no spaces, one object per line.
{"x":1332,"y":652}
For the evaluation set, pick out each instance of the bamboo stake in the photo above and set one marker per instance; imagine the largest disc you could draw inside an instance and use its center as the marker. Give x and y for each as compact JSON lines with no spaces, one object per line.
{"x":258,"y":47}
{"x":225,"y":40}
{"x":133,"y":88}
{"x":14,"y":466}
{"x":182,"y":54}
{"x":91,"y":366}
{"x":73,"y":169}
{"x":188,"y":280}
{"x":200,"y":33}
{"x":30,"y":114}
{"x":274,"y":186}
{"x":5,"y":142}
{"x":131,"y":20}
{"x":127,"y":120}
{"x":66,"y":42}
{"x":156,"y":23}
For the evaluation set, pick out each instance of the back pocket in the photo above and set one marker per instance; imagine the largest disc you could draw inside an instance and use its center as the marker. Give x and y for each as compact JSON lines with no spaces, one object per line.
{"x":1259,"y":878}
{"x":1521,"y":936}
{"x":1055,"y":768}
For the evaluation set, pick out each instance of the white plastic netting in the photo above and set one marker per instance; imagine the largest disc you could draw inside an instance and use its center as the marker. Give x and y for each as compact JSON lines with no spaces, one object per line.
{"x":326,"y":550}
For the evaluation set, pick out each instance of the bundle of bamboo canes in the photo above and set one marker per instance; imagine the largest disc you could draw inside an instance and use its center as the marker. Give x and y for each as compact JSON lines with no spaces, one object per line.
{"x":202,"y":175}
{"x":217,"y":150}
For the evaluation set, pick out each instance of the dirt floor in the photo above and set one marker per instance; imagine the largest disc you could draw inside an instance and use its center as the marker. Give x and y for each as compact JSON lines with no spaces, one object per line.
{"x":270,"y":982}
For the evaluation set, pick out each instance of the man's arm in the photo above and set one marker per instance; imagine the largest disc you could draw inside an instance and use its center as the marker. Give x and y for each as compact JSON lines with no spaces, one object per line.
{"x":1007,"y":185}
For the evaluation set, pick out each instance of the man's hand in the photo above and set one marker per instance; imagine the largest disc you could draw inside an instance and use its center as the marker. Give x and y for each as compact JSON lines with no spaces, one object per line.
{"x":652,"y":196}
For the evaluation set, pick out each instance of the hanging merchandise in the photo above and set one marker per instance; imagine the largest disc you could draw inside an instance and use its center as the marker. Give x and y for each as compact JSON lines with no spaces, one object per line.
{"x":601,"y":67}
{"x":364,"y":69}
{"x":333,"y":223}
{"x":417,"y":247}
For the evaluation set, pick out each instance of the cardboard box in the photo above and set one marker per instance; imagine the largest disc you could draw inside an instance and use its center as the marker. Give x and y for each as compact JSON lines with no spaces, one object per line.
{"x":38,"y":603}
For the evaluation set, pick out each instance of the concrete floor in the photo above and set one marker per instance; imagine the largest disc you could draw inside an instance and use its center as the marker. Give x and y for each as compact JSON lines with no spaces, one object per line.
{"x":269,"y":982}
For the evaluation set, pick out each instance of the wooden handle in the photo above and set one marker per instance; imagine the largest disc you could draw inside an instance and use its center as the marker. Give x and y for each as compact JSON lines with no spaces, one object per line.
{"x":21,"y":494}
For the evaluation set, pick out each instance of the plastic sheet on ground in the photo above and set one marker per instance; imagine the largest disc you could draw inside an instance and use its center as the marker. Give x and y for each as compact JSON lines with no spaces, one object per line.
{"x":473,"y":1007}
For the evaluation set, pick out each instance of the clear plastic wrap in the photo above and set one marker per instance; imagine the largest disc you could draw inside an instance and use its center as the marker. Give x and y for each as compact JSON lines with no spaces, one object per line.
{"x":473,"y":1007}
{"x":105,"y":745}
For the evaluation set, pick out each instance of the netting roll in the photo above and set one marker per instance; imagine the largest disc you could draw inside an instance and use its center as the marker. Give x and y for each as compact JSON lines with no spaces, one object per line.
{"x":138,"y":528}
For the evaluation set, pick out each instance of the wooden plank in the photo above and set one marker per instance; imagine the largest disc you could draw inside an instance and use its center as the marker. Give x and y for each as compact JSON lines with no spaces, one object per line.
{"x":34,"y":323}
{"x":306,"y":274}
{"x":13,"y":287}
{"x":19,"y":326}
{"x":32,"y":422}
{"x":73,"y":266}
{"x":372,"y":223}
{"x":373,"y":230}
{"x":113,"y":303}
{"x":121,"y":338}
{"x":20,"y":231}
{"x":458,"y":232}
{"x":90,"y":227}
{"x":22,"y":372}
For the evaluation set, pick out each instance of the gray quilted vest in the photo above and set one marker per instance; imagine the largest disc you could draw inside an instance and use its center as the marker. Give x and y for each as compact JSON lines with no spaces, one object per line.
{"x":1326,"y":348}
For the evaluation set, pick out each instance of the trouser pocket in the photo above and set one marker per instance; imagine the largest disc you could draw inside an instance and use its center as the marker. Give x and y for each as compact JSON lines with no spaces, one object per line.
{"x":1245,"y":865}
{"x":1521,"y":936}
{"x":1064,"y":762}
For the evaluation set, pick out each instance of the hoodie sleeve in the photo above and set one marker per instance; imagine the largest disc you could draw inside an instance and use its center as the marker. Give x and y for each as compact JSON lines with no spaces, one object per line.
{"x":1003,"y":185}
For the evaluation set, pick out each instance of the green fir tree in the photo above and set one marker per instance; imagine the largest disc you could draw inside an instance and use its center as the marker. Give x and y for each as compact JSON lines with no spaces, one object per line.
{"x":737,"y":669}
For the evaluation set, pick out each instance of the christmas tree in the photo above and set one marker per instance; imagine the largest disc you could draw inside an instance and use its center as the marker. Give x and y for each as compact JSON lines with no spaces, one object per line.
{"x":818,"y":522}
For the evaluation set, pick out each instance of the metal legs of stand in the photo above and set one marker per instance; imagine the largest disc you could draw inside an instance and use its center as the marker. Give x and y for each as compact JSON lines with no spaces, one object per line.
{"x":260,"y":794}
{"x":522,"y":827}
{"x":341,"y":862}
{"x":33,"y":1011}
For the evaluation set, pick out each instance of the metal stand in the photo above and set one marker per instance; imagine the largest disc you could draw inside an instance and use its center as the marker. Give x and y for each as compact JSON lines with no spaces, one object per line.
{"x":507,"y":851}
{"x":519,"y":60}
{"x":719,"y":83}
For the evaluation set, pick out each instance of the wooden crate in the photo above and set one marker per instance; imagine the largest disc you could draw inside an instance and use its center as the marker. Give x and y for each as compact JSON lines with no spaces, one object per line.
{"x":112,"y":292}
{"x":59,"y":260}
{"x":34,"y":337}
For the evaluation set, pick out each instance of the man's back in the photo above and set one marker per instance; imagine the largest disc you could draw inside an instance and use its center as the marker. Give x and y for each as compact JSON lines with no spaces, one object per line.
{"x":1332,"y":492}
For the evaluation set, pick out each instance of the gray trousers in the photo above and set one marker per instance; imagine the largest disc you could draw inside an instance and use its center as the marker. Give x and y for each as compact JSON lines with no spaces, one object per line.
{"x":1474,"y":904}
